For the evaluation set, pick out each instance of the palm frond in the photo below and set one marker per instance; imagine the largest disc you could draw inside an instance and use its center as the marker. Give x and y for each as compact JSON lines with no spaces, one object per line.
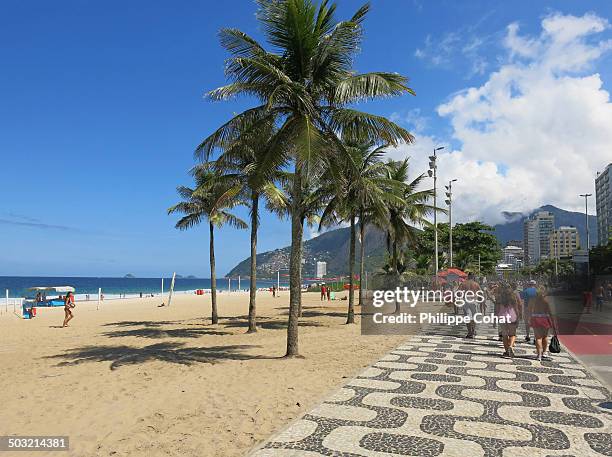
{"x":365,"y":127}
{"x":368,"y":86}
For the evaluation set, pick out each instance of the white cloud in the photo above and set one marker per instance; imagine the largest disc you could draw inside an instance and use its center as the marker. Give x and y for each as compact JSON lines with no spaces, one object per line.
{"x":464,"y":45}
{"x":536,"y":131}
{"x":413,"y":119}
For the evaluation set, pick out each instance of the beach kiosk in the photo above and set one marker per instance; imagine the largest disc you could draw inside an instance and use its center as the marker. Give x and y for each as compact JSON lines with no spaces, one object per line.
{"x":44,"y":297}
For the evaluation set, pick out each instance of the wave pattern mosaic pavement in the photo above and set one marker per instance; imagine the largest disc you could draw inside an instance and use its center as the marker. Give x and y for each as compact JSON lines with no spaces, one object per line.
{"x":441,"y":395}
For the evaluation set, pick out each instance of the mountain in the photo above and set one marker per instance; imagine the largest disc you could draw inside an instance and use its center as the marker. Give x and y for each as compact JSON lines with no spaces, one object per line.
{"x":331,"y":247}
{"x":512,"y":229}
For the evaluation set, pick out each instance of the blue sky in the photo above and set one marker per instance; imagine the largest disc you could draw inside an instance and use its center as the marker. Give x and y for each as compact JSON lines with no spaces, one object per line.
{"x":101,"y":108}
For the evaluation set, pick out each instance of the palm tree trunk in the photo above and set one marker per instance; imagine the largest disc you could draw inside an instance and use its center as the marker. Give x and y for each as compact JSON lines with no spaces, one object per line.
{"x":295,"y":266}
{"x":396,"y":272}
{"x":253,"y":281}
{"x":301,"y":251}
{"x":213,"y":276}
{"x":361,"y":260}
{"x":350,"y":316}
{"x":395,"y":260}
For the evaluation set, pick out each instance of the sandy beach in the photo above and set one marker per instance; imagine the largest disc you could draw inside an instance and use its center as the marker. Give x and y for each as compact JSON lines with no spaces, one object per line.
{"x":132,"y":379}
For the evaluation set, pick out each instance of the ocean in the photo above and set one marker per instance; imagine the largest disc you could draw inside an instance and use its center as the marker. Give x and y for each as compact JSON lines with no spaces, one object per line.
{"x":113,"y":287}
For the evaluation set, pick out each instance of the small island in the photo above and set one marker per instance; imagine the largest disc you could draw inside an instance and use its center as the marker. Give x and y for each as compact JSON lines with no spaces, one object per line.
{"x":129,"y":275}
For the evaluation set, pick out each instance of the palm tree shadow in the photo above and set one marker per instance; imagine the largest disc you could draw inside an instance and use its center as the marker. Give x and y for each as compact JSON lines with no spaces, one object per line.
{"x":316,"y":311}
{"x":170,"y":352}
{"x":156,"y":333}
{"x":140,"y":323}
{"x":264,"y":323}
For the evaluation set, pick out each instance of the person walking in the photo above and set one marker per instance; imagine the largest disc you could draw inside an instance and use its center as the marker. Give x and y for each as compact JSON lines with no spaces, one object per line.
{"x":510,"y":309}
{"x":470,"y":307}
{"x":492,"y":292}
{"x":323,"y":292}
{"x":528,"y":295}
{"x":328,"y":293}
{"x":599,"y":298}
{"x":542,"y":321}
{"x":68,"y":307}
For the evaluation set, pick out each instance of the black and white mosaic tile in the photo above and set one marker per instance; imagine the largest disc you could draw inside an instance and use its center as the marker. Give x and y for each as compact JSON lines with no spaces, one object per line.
{"x":441,"y":395}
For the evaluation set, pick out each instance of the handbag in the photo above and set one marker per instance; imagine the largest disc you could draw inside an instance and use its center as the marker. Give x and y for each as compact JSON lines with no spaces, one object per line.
{"x":554,"y":347}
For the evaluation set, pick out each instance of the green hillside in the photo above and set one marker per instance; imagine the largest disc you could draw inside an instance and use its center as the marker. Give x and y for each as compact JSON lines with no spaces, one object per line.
{"x":331,"y":247}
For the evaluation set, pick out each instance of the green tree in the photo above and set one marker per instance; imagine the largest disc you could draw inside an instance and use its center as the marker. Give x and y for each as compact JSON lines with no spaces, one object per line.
{"x":600,"y":258}
{"x":305,"y":84}
{"x":247,"y":162}
{"x":474,"y":246}
{"x":561,"y":269}
{"x":315,"y":195}
{"x":211,"y":200}
{"x":405,"y":218}
{"x":360,"y":188}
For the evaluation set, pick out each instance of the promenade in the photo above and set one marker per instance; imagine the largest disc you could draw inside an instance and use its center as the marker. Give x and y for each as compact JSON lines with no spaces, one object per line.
{"x":438,"y":394}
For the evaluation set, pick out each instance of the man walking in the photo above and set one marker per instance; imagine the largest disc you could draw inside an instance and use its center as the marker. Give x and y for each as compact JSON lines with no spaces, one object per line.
{"x":599,"y":298}
{"x":529,"y":293}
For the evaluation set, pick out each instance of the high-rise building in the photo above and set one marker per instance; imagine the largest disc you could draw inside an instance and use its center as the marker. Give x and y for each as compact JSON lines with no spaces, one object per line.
{"x":536,"y":232}
{"x":603,"y":204}
{"x":529,"y":246}
{"x":513,"y":255}
{"x":563,"y":242}
{"x":321,"y":269}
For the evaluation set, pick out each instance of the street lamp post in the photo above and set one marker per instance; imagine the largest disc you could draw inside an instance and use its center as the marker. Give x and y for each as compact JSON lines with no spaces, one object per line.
{"x":432,"y":172}
{"x":588,"y":240}
{"x":449,"y":202}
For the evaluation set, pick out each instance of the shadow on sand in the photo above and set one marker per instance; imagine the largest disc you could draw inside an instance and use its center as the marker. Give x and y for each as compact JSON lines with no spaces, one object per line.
{"x":317,"y":311}
{"x":141,"y":323}
{"x":156,"y":333}
{"x":263,"y":322}
{"x":169,"y":352}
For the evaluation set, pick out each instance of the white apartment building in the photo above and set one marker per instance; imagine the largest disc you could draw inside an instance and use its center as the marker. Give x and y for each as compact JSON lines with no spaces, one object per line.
{"x":321,"y":269}
{"x":513,"y":255}
{"x":603,"y":204}
{"x":536,"y":233}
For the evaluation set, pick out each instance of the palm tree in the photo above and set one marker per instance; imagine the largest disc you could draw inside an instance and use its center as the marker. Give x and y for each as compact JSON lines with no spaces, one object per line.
{"x":361,"y":189}
{"x":211,"y":199}
{"x":404,"y":218}
{"x":246,"y":162}
{"x":315,"y":196}
{"x":305,"y":85}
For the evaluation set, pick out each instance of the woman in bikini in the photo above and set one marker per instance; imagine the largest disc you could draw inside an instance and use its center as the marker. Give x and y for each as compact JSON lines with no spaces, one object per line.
{"x":68,"y":306}
{"x":541,"y":321}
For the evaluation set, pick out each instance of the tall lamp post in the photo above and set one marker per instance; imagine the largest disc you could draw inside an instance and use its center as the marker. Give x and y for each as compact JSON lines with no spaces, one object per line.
{"x":588,"y":240}
{"x":432,"y":172}
{"x":449,"y":202}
